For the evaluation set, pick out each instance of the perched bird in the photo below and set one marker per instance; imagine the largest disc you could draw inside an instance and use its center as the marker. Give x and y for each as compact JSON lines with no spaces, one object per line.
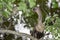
{"x":38,"y":30}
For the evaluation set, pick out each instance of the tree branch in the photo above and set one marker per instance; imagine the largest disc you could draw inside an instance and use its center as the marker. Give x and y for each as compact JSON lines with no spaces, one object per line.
{"x":18,"y":33}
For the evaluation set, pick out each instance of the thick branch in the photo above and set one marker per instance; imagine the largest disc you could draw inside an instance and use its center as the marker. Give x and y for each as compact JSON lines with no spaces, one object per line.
{"x":17,"y":33}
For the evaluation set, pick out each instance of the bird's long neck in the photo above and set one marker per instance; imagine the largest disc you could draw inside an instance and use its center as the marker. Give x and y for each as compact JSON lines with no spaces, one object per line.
{"x":39,"y":26}
{"x":38,"y":31}
{"x":38,"y":11}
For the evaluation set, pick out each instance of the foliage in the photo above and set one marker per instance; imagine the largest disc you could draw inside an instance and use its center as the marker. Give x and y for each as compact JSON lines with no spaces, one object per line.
{"x":51,"y":16}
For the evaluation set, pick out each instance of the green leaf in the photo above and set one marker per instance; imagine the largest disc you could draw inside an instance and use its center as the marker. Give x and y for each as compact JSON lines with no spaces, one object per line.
{"x":7,"y":1}
{"x":47,"y":18}
{"x":22,"y":6}
{"x":55,"y":15}
{"x":32,"y":3}
{"x":12,"y":0}
{"x":6,"y":14}
{"x":9,"y":6}
{"x":0,"y":5}
{"x":23,"y":0}
{"x":55,"y":5}
{"x":1,"y":20}
{"x":53,"y":0}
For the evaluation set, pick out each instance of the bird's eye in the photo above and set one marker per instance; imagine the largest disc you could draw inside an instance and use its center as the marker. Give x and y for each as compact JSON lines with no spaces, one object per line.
{"x":34,"y":9}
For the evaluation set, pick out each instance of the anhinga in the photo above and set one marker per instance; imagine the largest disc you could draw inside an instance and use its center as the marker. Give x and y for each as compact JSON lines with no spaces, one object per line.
{"x":38,"y":30}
